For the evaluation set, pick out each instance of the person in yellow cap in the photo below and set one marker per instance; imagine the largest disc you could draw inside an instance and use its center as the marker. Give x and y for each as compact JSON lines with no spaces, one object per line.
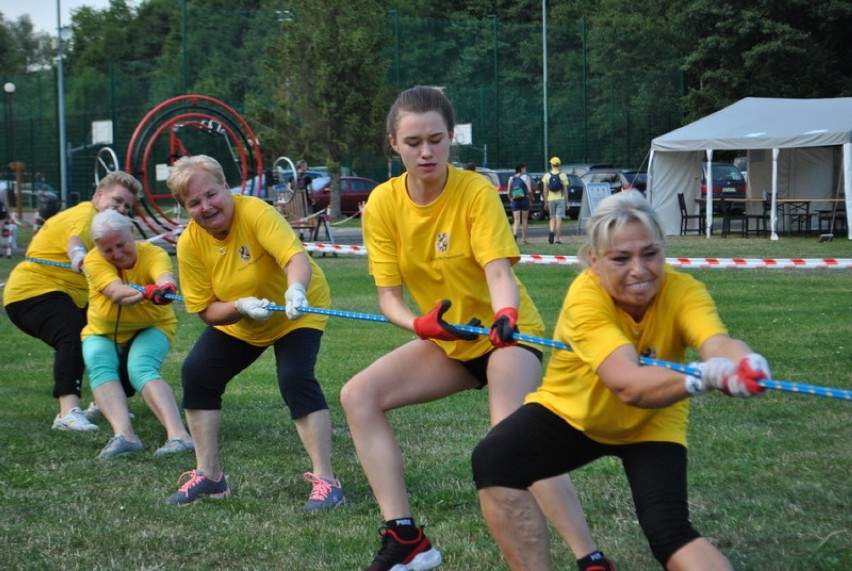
{"x":555,"y":185}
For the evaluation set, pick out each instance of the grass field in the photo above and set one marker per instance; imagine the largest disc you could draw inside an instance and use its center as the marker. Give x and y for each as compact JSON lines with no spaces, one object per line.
{"x":770,"y":478}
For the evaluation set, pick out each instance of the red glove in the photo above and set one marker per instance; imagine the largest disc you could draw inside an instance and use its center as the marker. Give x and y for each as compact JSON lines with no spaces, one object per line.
{"x":432,"y":325}
{"x":504,"y":327}
{"x":157,"y":294}
{"x":743,"y":382}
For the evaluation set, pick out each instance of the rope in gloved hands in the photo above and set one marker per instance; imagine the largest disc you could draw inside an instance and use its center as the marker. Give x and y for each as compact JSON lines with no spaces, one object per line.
{"x":785,"y":386}
{"x":771,"y":384}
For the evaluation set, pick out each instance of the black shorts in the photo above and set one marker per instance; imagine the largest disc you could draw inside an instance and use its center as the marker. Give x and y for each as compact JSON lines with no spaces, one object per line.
{"x":216,"y":358}
{"x":54,"y":318}
{"x":533,"y":444}
{"x":478,"y":367}
{"x":521,"y":204}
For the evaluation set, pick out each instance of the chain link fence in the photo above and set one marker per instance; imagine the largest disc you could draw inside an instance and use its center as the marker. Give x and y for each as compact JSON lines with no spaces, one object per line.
{"x":491,"y":71}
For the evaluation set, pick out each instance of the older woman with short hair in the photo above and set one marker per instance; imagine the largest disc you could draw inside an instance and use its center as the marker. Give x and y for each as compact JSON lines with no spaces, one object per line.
{"x":129,"y":333}
{"x":236,"y":257}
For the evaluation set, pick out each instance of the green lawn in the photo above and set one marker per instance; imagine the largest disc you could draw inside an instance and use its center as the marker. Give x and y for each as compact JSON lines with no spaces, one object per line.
{"x":769,"y":477}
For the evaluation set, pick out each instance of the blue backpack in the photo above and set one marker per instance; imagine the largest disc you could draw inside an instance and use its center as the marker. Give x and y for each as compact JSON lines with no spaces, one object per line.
{"x":555,"y":183}
{"x":518,"y":189}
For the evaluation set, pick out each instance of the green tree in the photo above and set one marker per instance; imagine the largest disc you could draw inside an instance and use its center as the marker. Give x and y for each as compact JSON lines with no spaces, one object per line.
{"x":793,"y":48}
{"x":22,"y":50}
{"x":325,"y":77}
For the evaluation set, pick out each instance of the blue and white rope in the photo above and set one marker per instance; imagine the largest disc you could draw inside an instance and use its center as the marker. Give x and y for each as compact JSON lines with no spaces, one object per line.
{"x":785,"y":386}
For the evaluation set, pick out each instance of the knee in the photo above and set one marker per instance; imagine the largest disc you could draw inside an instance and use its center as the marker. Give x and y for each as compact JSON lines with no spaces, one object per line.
{"x":666,"y":534}
{"x":489,"y":465}
{"x":351,"y":399}
{"x":354,"y":396}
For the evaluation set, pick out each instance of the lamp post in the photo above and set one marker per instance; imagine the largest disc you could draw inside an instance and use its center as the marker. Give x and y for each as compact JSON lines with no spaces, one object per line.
{"x":493,"y":18}
{"x":9,"y":88}
{"x":61,"y":35}
{"x":544,"y":73}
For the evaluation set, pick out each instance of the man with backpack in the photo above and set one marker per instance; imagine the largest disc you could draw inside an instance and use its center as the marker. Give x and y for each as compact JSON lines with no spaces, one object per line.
{"x":555,"y":186}
{"x":520,"y":191}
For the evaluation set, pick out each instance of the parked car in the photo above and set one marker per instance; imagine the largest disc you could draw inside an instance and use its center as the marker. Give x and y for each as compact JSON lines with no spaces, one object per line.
{"x":742,"y":164}
{"x":32,"y":194}
{"x":728,"y":180}
{"x":257,"y":185}
{"x":491,"y":175}
{"x":618,"y":179}
{"x":354,"y":190}
{"x":503,"y":176}
{"x":581,"y":169}
{"x":537,"y":211}
{"x":635,"y":181}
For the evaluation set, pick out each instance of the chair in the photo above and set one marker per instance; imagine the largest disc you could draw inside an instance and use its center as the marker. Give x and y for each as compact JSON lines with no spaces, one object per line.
{"x":759,"y":219}
{"x":728,"y":213}
{"x":685,"y":217}
{"x":835,"y":219}
{"x":294,"y":206}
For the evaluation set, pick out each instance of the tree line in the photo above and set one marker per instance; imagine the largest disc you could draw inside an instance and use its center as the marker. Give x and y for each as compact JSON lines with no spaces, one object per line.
{"x":316,"y":77}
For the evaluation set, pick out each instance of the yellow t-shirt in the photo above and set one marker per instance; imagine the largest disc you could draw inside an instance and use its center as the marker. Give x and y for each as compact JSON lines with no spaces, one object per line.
{"x":31,"y":279}
{"x":682,"y":315}
{"x":439,"y":251}
{"x":554,"y":194}
{"x":249,"y":262}
{"x":151,"y":262}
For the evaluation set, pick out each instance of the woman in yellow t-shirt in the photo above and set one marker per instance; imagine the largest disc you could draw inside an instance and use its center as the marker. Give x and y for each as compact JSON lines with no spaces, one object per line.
{"x":443,"y":233}
{"x":127,"y":339}
{"x":235,"y":258}
{"x":597,"y":400}
{"x":48,"y":302}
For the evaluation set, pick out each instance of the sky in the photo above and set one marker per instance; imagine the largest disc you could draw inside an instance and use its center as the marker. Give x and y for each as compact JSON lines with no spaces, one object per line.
{"x":43,"y":12}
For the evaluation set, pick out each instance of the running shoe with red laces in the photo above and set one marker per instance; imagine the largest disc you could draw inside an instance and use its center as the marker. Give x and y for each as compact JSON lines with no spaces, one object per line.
{"x":325,"y":493}
{"x":597,"y":561}
{"x":199,"y":486}
{"x":398,"y":555}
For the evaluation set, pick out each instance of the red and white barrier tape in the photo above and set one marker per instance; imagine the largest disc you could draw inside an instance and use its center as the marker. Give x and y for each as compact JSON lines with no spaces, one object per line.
{"x":335,"y":248}
{"x":684,"y":263}
{"x":171,"y":233}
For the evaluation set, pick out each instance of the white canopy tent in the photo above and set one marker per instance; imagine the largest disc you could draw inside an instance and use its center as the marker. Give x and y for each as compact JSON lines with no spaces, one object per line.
{"x":797,"y":148}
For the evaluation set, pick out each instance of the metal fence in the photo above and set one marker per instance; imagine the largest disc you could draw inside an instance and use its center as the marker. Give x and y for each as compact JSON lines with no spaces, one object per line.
{"x":491,"y":71}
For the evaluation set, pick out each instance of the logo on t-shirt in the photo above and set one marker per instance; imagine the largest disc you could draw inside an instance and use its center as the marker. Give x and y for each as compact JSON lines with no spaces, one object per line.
{"x":649,"y":353}
{"x":442,"y":242}
{"x":245,"y":254}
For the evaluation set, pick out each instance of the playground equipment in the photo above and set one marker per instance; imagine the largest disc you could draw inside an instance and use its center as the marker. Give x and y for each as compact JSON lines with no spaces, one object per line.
{"x":207,"y":126}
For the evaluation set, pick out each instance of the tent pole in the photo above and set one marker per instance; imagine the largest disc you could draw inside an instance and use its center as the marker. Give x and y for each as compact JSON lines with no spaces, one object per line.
{"x":774,"y":213}
{"x":708,"y":176}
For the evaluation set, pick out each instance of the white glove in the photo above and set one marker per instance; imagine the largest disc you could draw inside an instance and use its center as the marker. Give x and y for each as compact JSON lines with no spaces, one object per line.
{"x":295,"y":297}
{"x":78,"y":254}
{"x":714,"y":375}
{"x":254,"y":308}
{"x":751,"y":369}
{"x":757,"y":365}
{"x":736,"y":380}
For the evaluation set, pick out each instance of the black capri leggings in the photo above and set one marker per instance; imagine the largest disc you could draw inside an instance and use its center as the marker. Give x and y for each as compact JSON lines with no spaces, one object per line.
{"x":217,"y":358}
{"x":534,"y":444}
{"x":55,"y":319}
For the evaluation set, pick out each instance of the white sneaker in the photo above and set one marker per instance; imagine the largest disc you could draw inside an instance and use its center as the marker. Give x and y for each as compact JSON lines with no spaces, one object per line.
{"x":94,"y":412}
{"x":74,"y":420}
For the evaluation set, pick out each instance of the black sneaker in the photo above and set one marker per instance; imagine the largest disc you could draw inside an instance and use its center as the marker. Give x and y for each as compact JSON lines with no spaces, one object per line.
{"x":550,"y":238}
{"x":596,"y":561}
{"x":397,"y":555}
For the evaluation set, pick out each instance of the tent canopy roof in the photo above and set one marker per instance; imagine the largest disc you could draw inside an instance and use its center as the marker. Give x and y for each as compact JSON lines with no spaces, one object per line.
{"x":765,"y":123}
